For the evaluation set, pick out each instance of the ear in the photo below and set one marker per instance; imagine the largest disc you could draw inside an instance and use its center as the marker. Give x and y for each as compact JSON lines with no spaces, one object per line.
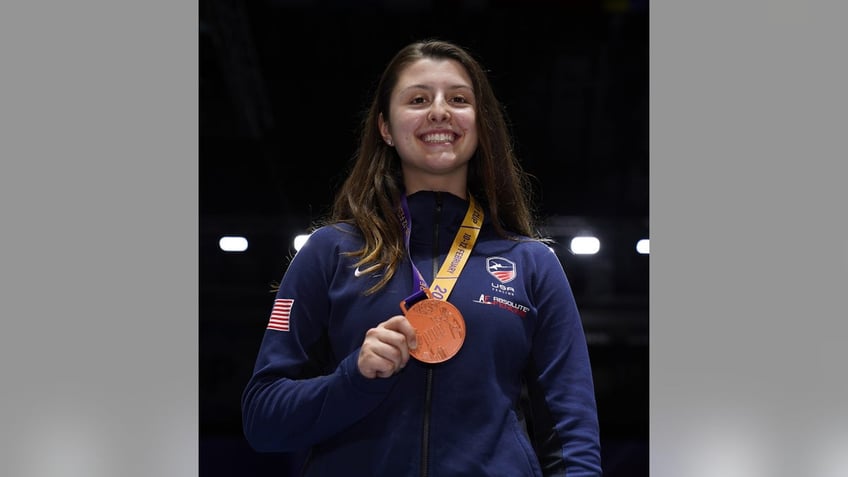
{"x":384,"y":130}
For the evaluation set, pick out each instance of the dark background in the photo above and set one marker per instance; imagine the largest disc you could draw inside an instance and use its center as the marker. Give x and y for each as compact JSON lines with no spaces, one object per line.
{"x":283,"y":85}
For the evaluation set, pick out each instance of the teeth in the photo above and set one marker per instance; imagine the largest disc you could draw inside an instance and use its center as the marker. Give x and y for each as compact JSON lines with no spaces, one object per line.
{"x":438,"y":137}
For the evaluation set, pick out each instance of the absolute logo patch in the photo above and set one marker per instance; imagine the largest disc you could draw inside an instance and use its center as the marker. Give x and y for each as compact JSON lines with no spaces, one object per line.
{"x":509,"y":305}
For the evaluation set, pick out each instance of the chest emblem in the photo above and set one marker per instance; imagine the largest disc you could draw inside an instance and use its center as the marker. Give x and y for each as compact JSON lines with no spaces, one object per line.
{"x":501,"y":268}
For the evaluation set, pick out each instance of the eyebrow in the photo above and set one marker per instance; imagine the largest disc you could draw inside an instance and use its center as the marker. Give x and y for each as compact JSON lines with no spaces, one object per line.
{"x":429,"y":88}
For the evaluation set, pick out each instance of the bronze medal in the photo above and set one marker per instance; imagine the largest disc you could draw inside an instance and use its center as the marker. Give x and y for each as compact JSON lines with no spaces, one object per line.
{"x":439,"y":328}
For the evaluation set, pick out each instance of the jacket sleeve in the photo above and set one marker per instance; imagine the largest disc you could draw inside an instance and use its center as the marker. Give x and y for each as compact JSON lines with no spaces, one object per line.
{"x":299,"y":393}
{"x":562,"y":372}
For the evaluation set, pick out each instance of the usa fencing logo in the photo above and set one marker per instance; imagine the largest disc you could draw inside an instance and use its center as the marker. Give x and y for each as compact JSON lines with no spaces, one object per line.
{"x":501,"y":268}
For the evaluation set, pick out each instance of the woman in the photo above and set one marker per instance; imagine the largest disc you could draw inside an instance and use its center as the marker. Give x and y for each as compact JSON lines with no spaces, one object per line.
{"x":425,"y":329}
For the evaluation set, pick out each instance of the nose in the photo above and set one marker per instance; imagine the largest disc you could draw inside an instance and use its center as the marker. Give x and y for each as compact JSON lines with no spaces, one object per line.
{"x":439,"y":111}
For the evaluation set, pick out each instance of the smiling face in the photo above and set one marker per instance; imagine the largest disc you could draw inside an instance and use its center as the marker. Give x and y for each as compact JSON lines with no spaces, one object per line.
{"x":433,"y":125}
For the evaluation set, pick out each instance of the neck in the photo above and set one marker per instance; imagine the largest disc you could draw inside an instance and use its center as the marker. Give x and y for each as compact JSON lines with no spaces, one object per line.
{"x":456,"y":187}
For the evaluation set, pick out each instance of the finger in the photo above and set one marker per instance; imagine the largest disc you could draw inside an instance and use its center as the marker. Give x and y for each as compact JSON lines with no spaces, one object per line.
{"x":383,"y":353}
{"x":400,"y":324}
{"x":372,"y":365}
{"x":395,"y":358}
{"x":391,"y":345}
{"x":398,"y":332}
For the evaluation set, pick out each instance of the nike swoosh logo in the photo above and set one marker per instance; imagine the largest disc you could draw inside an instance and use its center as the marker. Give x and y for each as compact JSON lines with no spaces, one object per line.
{"x":356,"y":272}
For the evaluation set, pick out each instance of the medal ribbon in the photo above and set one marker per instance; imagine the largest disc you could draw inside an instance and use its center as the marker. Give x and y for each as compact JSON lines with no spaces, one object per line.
{"x":458,"y":255}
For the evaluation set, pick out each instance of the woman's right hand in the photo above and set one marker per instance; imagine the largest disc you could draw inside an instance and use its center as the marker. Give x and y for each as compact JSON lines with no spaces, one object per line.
{"x":385,"y":350}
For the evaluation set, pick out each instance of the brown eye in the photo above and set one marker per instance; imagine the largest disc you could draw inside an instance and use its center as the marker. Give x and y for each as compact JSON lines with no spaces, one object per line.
{"x":417,"y":100}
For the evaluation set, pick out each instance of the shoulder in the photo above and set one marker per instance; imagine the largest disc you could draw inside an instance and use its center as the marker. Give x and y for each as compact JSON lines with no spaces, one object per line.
{"x":535,"y":254}
{"x":333,"y":235}
{"x":325,"y":250}
{"x":530,"y":245}
{"x":326,"y":244}
{"x":531,"y":252}
{"x":538,"y":252}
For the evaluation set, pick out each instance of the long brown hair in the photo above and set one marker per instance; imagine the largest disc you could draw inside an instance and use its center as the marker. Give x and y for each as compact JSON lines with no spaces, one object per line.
{"x":370,"y":195}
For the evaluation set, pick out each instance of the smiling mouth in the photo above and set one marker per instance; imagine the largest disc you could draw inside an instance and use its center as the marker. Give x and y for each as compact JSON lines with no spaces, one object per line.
{"x":438,"y":138}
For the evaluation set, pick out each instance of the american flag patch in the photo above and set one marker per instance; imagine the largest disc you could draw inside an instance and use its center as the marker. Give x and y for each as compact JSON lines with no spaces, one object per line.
{"x":280,"y":314}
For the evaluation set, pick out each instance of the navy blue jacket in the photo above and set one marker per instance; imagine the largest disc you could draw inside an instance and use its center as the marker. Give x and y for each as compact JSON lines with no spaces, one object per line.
{"x":463,"y":417}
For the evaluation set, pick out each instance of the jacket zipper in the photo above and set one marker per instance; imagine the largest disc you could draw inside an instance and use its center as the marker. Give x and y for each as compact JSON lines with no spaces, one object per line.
{"x":428,"y":390}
